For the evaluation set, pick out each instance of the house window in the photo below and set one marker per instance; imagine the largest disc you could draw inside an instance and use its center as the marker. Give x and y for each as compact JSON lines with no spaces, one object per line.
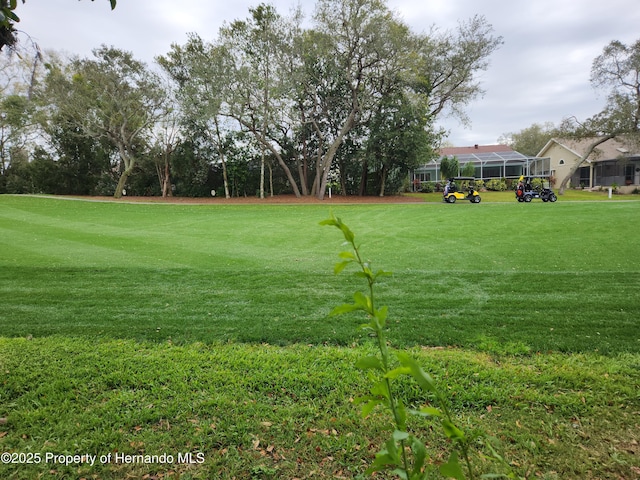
{"x":629,"y":172}
{"x":584,"y":176}
{"x":561,"y":162}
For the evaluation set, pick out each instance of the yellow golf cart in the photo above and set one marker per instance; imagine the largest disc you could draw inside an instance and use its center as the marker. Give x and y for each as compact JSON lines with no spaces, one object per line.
{"x":461,"y":188}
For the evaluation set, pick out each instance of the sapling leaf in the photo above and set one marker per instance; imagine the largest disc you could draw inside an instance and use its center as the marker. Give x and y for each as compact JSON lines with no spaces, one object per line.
{"x":420,"y":456}
{"x":419,"y":375}
{"x":451,"y":431}
{"x":348,"y":256}
{"x":398,"y":435}
{"x":368,"y":275}
{"x":370,"y":362}
{"x":345,"y":308}
{"x":396,"y":372}
{"x":348,"y":234}
{"x":382,"y":273}
{"x":381,"y":315}
{"x":367,"y":326}
{"x":427,"y":412}
{"x":338,"y":267}
{"x":401,"y":416}
{"x":362,"y":301}
{"x":369,"y":406}
{"x":380,"y":389}
{"x":330,"y":221}
{"x":452,"y":469}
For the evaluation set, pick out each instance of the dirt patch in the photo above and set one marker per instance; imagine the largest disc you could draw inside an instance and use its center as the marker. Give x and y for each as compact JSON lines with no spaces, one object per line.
{"x":275,"y":200}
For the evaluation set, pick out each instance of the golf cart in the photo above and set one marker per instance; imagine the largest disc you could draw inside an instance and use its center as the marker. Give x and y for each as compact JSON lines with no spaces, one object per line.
{"x":455,"y":191}
{"x":526,"y":191}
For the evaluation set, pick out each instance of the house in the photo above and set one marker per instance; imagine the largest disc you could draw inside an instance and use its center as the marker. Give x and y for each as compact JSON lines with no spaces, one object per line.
{"x":489,"y":161}
{"x":613,"y":163}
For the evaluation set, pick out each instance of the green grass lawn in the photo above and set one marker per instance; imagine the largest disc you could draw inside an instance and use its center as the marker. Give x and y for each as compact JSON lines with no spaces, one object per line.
{"x":155,"y":328}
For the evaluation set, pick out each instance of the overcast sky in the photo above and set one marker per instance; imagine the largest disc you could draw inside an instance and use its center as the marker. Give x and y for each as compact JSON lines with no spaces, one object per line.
{"x":540,"y":74}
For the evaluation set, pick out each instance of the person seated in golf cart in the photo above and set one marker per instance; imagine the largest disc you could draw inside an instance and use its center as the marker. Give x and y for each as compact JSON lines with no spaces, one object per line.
{"x":450,"y":187}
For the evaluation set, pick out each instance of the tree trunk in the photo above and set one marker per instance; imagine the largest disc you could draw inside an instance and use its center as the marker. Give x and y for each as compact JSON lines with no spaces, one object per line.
{"x":268,"y":145}
{"x":262,"y":174}
{"x":383,"y":179}
{"x":364,"y":178}
{"x":327,"y":159}
{"x":129,"y":163}
{"x":166,"y":181}
{"x":576,"y":166}
{"x":303,"y":166}
{"x":122,"y":182}
{"x":225,"y":179}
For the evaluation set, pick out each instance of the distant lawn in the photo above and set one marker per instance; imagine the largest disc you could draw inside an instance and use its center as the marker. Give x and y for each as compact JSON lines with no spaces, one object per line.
{"x":535,"y":277}
{"x":164,"y":328}
{"x":509,"y":196}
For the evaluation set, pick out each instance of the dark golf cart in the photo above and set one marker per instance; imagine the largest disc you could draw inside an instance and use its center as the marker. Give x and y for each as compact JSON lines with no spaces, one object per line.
{"x":454,"y":190}
{"x":526,"y":191}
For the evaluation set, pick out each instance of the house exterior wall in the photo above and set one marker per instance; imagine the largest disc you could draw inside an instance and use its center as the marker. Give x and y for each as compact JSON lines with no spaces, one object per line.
{"x":610,"y":165}
{"x":562,"y":159}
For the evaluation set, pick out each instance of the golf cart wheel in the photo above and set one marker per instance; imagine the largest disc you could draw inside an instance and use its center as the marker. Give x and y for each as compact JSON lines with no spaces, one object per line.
{"x":527,"y":198}
{"x":451,"y":199}
{"x":552,"y":197}
{"x":476,"y":199}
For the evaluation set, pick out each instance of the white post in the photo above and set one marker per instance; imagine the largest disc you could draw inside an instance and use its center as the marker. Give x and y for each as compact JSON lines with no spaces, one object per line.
{"x":610,"y":192}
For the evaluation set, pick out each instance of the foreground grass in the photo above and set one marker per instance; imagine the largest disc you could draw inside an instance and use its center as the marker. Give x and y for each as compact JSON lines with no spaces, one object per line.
{"x":260,"y":411}
{"x":151,"y":329}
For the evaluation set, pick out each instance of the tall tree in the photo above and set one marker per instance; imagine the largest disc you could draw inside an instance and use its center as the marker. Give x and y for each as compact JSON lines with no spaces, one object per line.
{"x":368,"y":45}
{"x":399,"y":139}
{"x":446,"y":65}
{"x":200,"y":72}
{"x":530,"y":140}
{"x":114,"y":97}
{"x":616,"y":69}
{"x":15,"y":119}
{"x":256,"y":88}
{"x":449,"y":167}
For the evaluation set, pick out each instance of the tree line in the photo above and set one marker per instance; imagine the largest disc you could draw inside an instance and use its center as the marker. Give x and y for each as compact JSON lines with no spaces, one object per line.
{"x":274,"y":104}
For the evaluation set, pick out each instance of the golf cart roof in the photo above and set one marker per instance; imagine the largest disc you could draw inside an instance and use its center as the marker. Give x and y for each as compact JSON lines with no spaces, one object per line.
{"x":462,"y":178}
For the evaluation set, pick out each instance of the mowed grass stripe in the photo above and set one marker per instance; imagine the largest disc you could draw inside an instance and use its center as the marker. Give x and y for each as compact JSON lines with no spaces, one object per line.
{"x":529,"y":279}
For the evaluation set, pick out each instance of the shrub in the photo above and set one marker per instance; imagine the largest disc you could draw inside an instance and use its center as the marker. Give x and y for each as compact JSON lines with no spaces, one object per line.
{"x":496,"y":184}
{"x":428,"y":187}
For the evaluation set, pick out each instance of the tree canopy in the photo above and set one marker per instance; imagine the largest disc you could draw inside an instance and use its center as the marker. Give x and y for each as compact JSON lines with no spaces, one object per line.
{"x":351,"y":100}
{"x":617,"y":71}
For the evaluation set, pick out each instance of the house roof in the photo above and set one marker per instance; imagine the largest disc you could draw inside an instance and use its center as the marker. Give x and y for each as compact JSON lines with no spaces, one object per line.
{"x":609,"y":150}
{"x":483,"y":153}
{"x":475,"y":149}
